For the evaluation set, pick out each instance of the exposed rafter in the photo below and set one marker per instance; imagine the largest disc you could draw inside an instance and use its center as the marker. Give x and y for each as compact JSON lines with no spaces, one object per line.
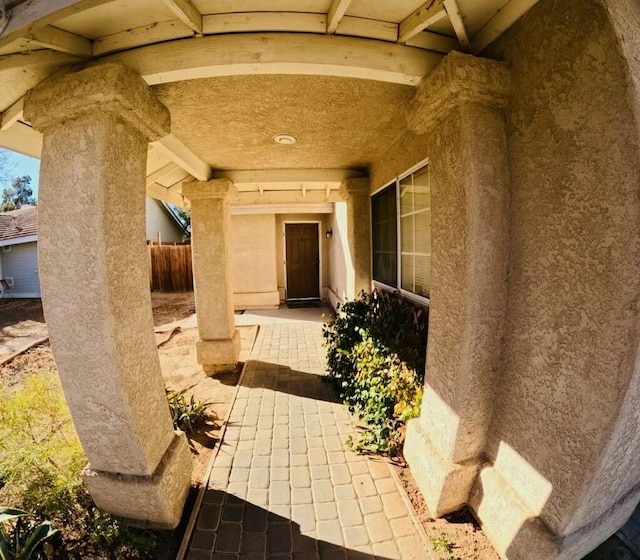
{"x":256,"y":22}
{"x":425,"y":16}
{"x":56,"y":39}
{"x":173,"y":149}
{"x":453,"y":11}
{"x":140,"y":36}
{"x":186,"y":12}
{"x":28,"y":16}
{"x":283,"y":53}
{"x":285,"y":197}
{"x":36,"y":58}
{"x":12,"y":115}
{"x":164,"y":171}
{"x":274,"y":177}
{"x":336,"y":13}
{"x":507,"y":15}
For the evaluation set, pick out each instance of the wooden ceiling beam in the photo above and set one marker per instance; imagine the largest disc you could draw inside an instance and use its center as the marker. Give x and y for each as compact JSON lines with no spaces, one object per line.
{"x":186,"y":12}
{"x":50,"y":37}
{"x":12,"y":115}
{"x":505,"y":17}
{"x":453,"y":11}
{"x":172,"y":148}
{"x":36,"y":58}
{"x":279,"y":53}
{"x":140,"y":36}
{"x":159,"y":174}
{"x":29,"y":16}
{"x":336,"y":13}
{"x":425,"y":16}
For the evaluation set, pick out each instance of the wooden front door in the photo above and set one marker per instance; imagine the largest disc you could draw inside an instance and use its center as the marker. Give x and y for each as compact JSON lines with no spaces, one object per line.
{"x":302,"y":261}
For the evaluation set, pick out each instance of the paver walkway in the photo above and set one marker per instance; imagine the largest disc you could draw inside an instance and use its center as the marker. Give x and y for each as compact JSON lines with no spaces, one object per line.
{"x":284,"y":486}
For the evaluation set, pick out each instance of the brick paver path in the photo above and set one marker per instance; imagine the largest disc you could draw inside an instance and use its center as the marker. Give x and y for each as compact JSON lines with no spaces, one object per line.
{"x":284,"y":485}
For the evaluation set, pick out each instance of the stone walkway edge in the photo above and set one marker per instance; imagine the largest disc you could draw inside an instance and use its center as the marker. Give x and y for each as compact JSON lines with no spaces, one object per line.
{"x":283,"y":485}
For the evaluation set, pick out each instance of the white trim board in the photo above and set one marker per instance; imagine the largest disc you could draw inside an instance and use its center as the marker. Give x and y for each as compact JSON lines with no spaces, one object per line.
{"x":19,"y":240}
{"x":311,"y":208}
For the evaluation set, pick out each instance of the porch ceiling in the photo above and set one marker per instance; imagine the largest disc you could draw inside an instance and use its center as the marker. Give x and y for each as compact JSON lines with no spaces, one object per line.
{"x":231,"y":122}
{"x":333,"y":73}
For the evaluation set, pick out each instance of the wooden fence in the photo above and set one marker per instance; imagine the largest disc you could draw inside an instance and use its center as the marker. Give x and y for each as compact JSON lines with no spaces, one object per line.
{"x":170,"y":267}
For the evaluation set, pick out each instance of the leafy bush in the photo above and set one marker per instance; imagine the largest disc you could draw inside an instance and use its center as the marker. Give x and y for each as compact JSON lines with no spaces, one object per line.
{"x":41,"y":460}
{"x":40,"y":455}
{"x":24,"y":538}
{"x":376,"y":353}
{"x":186,"y":414}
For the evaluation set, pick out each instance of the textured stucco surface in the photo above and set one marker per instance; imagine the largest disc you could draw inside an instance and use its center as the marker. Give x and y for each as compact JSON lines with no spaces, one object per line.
{"x":94,"y":277}
{"x":338,"y":249}
{"x":111,"y":87}
{"x":253,"y":250}
{"x":572,"y":319}
{"x":466,"y":146}
{"x":217,"y":349}
{"x":154,"y":501}
{"x":355,"y":193}
{"x":101,"y":330}
{"x":230,"y":122}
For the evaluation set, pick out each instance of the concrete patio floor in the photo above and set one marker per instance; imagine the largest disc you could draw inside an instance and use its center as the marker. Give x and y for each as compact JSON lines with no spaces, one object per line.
{"x":284,"y":485}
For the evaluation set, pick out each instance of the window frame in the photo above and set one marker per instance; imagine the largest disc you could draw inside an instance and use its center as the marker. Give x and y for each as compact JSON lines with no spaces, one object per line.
{"x":418,"y":299}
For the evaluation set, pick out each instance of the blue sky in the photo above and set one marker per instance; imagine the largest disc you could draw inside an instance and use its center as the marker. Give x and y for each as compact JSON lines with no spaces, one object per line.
{"x":19,"y":165}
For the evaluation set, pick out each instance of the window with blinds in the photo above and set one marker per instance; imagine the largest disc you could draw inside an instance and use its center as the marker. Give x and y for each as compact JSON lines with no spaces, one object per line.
{"x":401,"y":231}
{"x":385,"y":236}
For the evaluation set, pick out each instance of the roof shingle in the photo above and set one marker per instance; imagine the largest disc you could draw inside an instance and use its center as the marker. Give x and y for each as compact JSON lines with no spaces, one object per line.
{"x":19,"y":223}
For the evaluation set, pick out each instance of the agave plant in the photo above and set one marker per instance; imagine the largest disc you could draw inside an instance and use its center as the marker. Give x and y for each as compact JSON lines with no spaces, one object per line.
{"x":22,"y":537}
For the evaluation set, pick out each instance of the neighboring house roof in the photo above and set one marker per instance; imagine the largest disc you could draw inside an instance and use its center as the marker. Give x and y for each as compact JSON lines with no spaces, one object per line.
{"x":19,"y":223}
{"x":174,"y":217}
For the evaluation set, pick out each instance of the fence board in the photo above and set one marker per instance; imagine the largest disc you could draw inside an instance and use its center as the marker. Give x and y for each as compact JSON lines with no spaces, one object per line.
{"x":170,"y":267}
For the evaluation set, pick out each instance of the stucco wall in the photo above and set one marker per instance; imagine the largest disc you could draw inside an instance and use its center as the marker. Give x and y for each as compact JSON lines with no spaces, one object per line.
{"x":325,"y":224}
{"x":253,"y":249}
{"x":158,"y":221}
{"x":562,"y":438}
{"x":338,"y":248}
{"x":572,"y":318}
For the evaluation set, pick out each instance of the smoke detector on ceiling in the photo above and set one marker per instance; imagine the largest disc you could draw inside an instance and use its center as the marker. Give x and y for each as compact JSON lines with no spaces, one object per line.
{"x":285,"y":139}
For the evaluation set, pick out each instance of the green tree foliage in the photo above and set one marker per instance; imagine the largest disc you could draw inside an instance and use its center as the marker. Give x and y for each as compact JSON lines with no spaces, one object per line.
{"x":18,"y":194}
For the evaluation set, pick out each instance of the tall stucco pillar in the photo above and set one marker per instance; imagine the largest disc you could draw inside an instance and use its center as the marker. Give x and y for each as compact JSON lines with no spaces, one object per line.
{"x":96,"y":124}
{"x":355,"y":192}
{"x":460,"y":105}
{"x":219,"y":346}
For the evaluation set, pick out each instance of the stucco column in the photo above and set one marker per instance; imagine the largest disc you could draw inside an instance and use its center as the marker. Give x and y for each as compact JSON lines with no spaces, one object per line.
{"x":460,"y":104}
{"x":219,"y":346}
{"x":96,"y":124}
{"x":355,"y":192}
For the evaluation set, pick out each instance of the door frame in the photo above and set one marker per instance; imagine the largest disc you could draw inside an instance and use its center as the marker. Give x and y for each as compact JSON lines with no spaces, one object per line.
{"x":284,"y":248}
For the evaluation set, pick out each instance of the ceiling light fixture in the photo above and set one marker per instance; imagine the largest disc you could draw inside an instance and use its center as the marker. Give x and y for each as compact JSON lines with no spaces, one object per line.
{"x":285,"y":139}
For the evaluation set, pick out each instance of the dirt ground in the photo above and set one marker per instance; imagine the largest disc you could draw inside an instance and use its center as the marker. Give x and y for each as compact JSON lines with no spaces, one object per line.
{"x":176,"y":335}
{"x":459,"y":532}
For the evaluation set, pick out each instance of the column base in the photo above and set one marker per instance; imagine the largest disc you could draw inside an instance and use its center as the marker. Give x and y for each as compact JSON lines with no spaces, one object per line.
{"x":150,"y":501}
{"x":219,"y":356}
{"x":518,"y":533}
{"x":445,"y":485}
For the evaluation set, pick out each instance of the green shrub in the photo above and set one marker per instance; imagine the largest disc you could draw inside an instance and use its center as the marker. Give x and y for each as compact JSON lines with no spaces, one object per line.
{"x":376,"y":353}
{"x":40,"y":455}
{"x":385,"y":393}
{"x":186,"y":414}
{"x":41,"y":460}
